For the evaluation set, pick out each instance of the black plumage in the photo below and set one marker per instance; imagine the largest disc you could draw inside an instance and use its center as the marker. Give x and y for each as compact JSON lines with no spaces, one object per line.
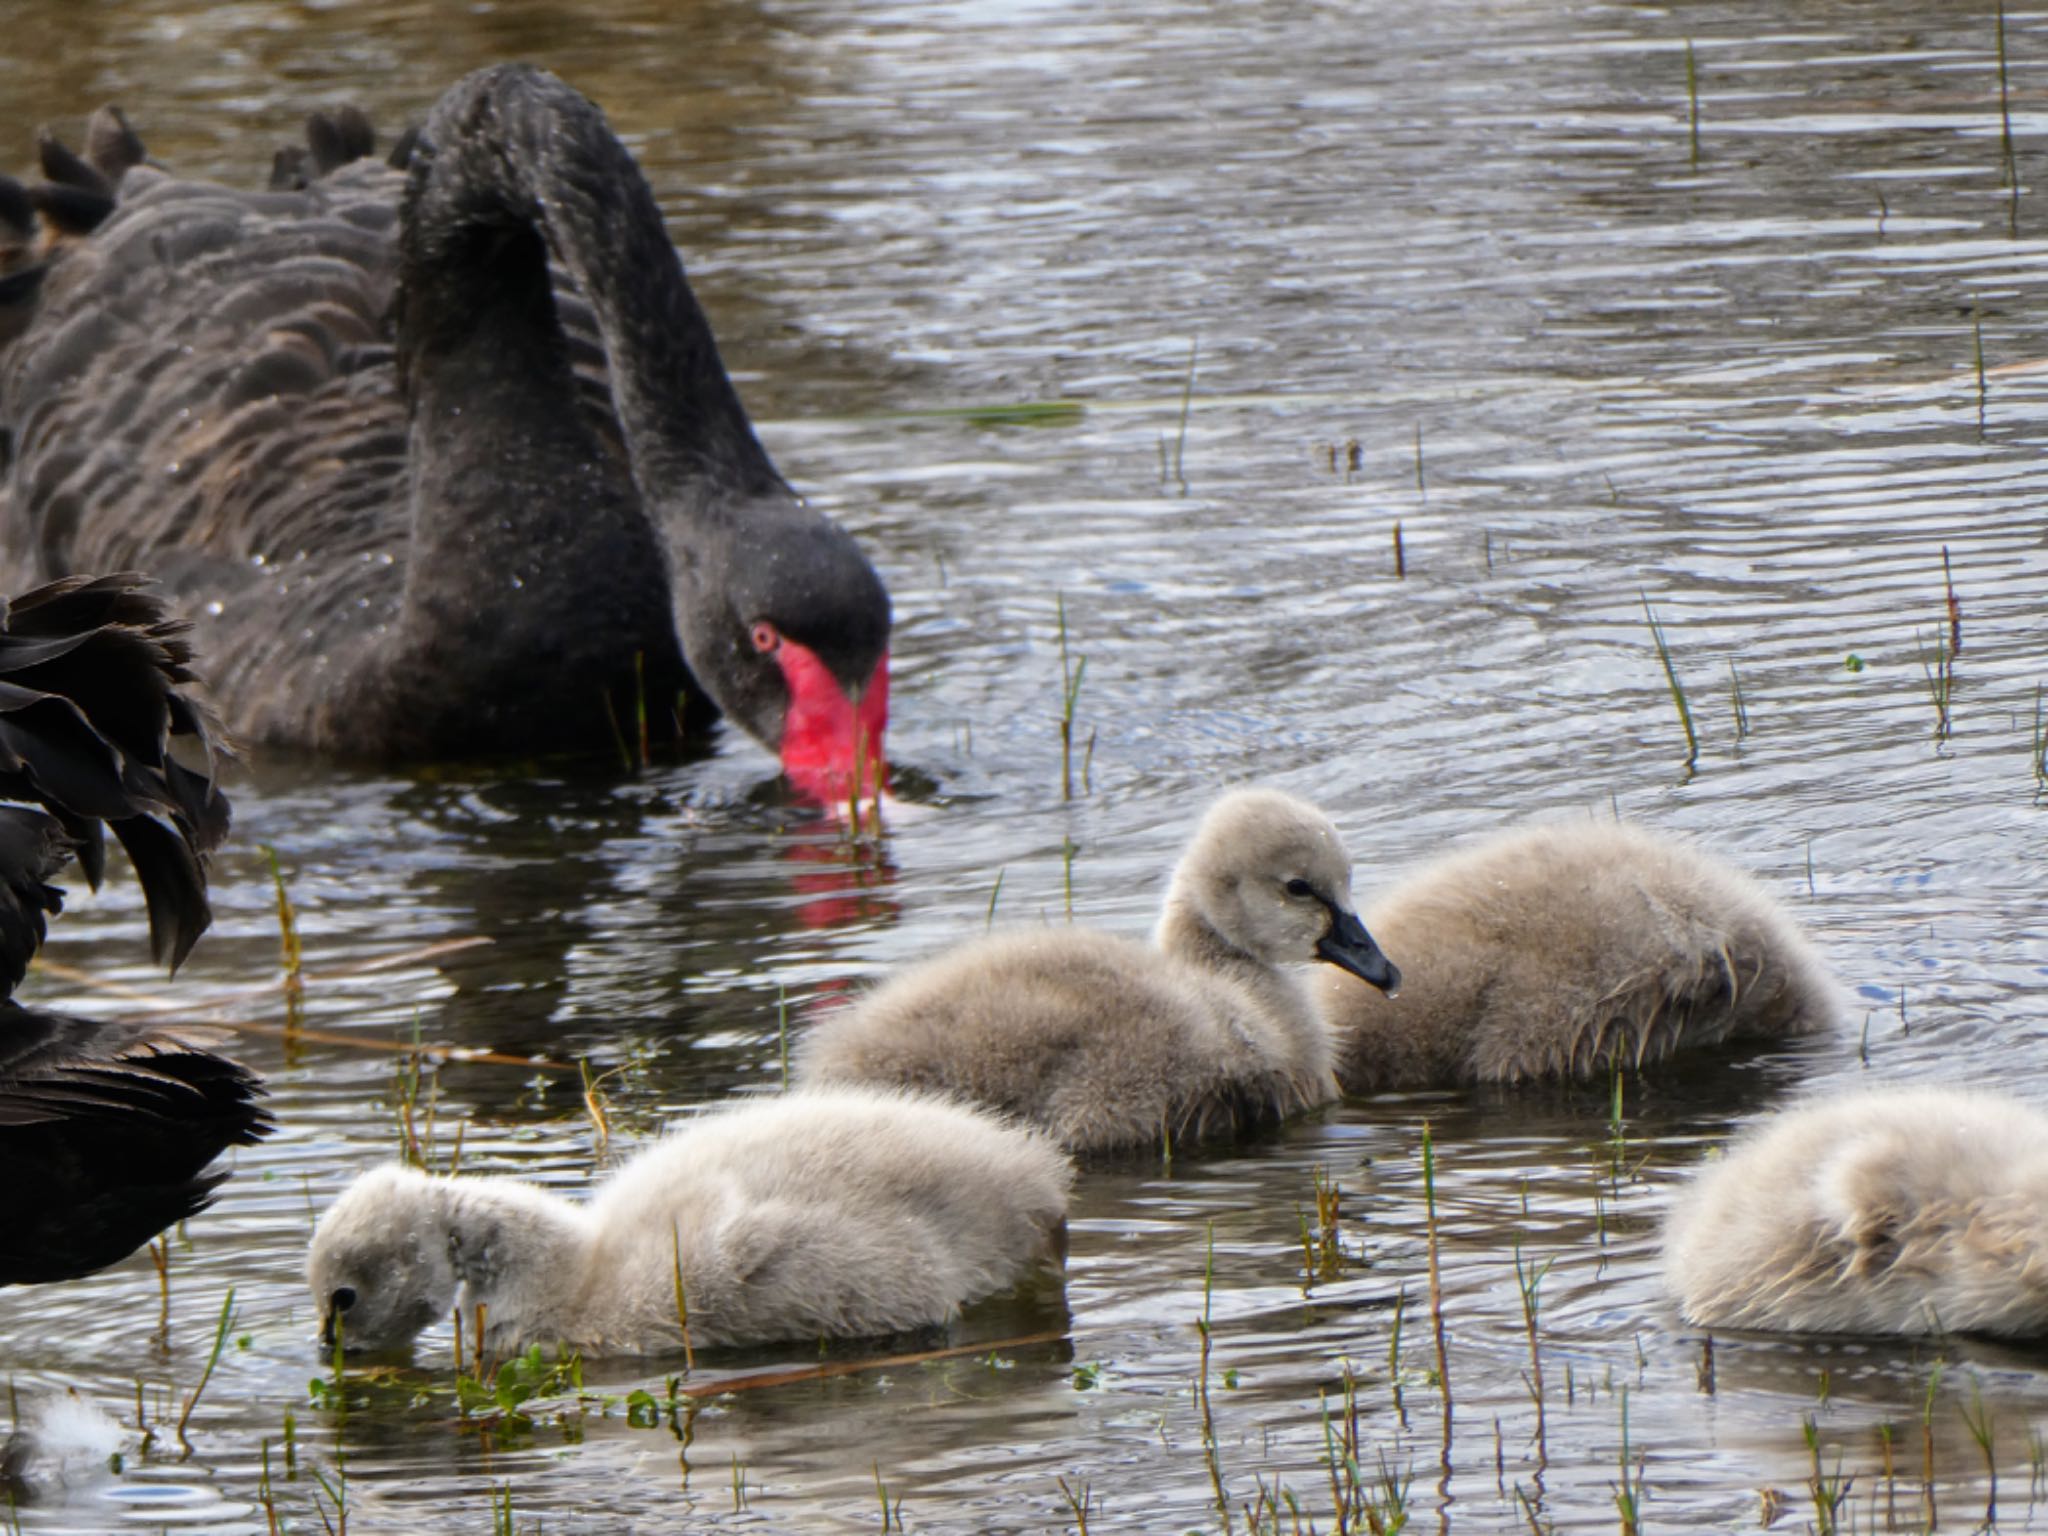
{"x":439,"y":453}
{"x":106,"y":1129}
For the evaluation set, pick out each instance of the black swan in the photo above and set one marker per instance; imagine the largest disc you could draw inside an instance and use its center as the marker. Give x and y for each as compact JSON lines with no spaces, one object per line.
{"x":105,"y":1129}
{"x":442,"y":462}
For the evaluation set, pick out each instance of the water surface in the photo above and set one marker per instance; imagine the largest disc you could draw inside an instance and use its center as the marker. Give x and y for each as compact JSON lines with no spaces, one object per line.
{"x":1450,"y":278}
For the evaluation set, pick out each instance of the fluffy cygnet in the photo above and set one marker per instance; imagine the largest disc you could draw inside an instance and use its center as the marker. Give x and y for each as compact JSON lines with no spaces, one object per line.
{"x":1110,"y":1043}
{"x":1555,"y":951}
{"x":841,"y":1213}
{"x":1907,"y":1211}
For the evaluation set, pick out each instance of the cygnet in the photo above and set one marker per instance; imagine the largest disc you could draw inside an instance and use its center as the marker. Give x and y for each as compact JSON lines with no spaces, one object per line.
{"x":846,"y":1212}
{"x":1558,"y":951}
{"x":1109,"y":1043}
{"x":1906,"y":1211}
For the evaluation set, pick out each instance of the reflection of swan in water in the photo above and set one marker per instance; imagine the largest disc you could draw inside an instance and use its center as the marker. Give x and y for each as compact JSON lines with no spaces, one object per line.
{"x":1559,"y":950}
{"x":105,"y":1129}
{"x":834,"y":1214}
{"x":525,"y":527}
{"x":1110,"y":1043}
{"x":1907,"y":1211}
{"x":592,"y":893}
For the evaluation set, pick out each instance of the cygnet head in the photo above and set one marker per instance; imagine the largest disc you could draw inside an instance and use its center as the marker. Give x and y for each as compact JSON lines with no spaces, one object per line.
{"x":380,"y":1266}
{"x":1268,"y":873}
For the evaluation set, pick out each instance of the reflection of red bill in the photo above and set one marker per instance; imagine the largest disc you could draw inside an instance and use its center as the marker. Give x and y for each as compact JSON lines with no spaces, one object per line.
{"x":842,"y":884}
{"x":832,"y":744}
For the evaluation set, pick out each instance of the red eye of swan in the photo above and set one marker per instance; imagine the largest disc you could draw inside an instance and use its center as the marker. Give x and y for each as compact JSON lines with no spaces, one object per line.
{"x":764,"y":636}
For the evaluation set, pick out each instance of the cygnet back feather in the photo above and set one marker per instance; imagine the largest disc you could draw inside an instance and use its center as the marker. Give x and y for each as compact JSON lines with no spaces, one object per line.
{"x":1109,"y":1043}
{"x":1555,"y":951}
{"x":835,"y":1213}
{"x":1907,"y":1211}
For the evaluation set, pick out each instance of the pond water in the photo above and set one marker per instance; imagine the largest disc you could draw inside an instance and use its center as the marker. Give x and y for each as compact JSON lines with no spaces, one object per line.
{"x":1455,"y":279}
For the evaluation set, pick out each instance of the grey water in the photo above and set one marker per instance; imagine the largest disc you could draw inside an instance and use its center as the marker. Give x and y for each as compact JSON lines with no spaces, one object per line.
{"x":1182,"y":319}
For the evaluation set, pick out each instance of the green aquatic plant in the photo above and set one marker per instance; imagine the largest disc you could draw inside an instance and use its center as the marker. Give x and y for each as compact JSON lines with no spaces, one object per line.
{"x":1937,"y":666}
{"x":220,"y":1333}
{"x":1210,"y":1453}
{"x":1071,"y":673}
{"x":2010,"y":167}
{"x":1630,"y":1490}
{"x":892,"y":1515}
{"x":1436,"y":1283}
{"x":1692,"y":100}
{"x":518,"y":1381}
{"x":1692,"y":740}
{"x":1829,"y":1491}
{"x":1977,"y":1420}
{"x":1527,"y":1283}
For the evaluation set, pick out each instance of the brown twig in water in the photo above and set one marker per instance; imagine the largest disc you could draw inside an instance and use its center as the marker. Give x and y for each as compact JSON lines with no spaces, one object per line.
{"x":216,"y":1017}
{"x":1955,"y":608}
{"x":826,"y":1370}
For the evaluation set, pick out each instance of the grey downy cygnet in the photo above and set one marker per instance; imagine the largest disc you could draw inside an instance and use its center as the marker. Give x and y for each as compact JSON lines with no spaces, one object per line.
{"x":1905,"y":1211}
{"x":1558,"y":951}
{"x":1111,"y":1043}
{"x":842,"y":1213}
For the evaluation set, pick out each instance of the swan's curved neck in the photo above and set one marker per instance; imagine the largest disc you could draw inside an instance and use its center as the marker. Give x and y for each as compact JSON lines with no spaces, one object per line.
{"x":514,"y":147}
{"x":1186,"y":934}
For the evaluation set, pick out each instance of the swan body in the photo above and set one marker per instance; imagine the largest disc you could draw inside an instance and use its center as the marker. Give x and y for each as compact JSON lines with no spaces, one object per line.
{"x":443,"y":461}
{"x":1907,"y":1211}
{"x":843,"y":1213}
{"x":106,"y":1129}
{"x":1557,"y":951}
{"x":1109,"y":1043}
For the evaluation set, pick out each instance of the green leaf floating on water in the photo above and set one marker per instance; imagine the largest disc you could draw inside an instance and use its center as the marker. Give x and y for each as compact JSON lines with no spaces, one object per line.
{"x":642,"y":1411}
{"x":1026,"y":413}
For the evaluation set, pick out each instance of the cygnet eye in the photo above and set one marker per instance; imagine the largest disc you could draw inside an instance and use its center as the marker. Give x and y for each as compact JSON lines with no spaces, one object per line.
{"x":344,"y":1297}
{"x":1300,"y":887}
{"x":765,"y":636}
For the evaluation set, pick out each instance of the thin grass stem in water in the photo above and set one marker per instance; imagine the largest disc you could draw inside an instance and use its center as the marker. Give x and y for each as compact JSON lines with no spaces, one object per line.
{"x":1692,"y":740}
{"x":220,"y":1334}
{"x":1071,"y":673}
{"x":1692,"y":99}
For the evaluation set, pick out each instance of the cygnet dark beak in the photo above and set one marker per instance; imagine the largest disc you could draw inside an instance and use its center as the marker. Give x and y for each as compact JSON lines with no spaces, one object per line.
{"x":1350,"y":947}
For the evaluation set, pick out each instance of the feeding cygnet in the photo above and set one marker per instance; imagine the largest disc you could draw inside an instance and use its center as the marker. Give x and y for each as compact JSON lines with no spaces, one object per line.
{"x":1556,"y":951}
{"x":1910,"y":1211}
{"x":1111,"y":1043}
{"x":839,"y":1213}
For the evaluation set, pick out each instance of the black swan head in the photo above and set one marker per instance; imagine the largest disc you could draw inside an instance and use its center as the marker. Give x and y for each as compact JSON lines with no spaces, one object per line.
{"x":441,"y":455}
{"x":783,"y":622}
